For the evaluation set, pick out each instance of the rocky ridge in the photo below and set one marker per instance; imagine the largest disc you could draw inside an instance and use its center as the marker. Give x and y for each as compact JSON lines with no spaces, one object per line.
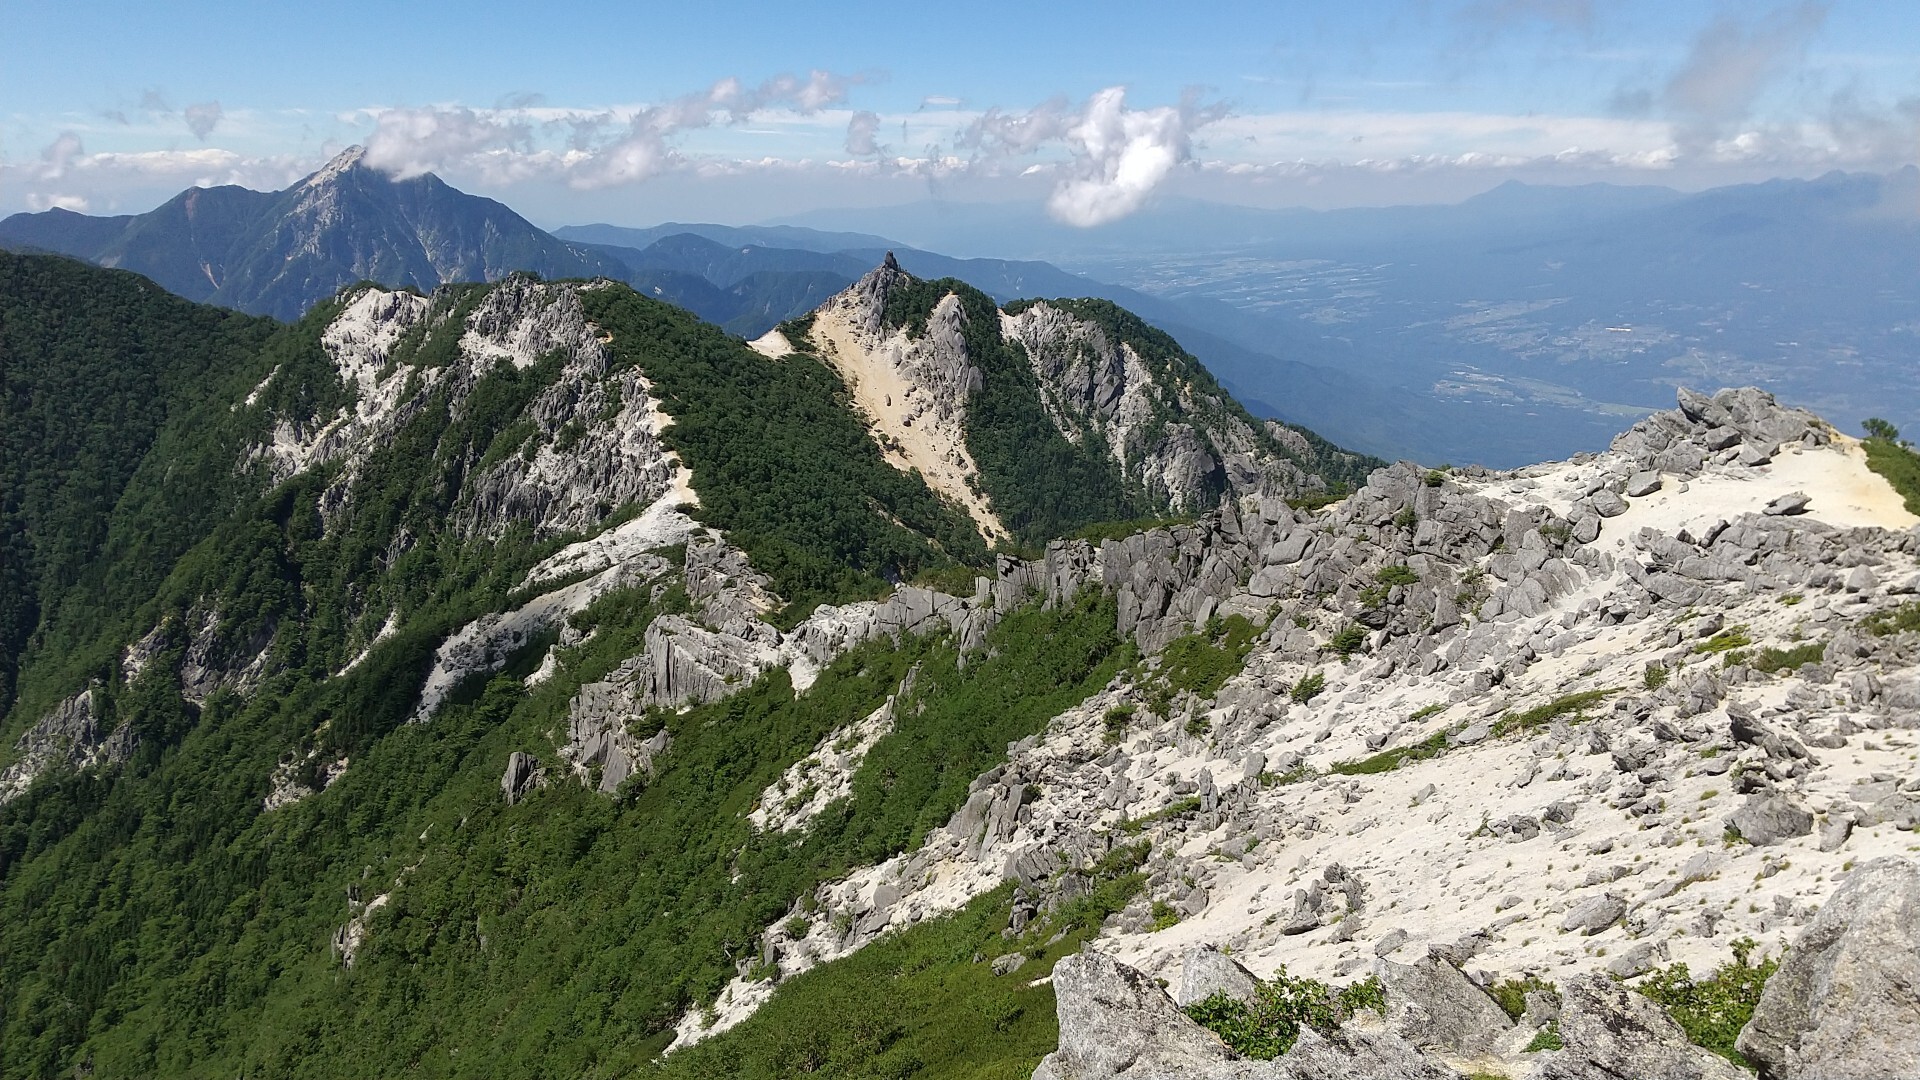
{"x":1614,"y":755}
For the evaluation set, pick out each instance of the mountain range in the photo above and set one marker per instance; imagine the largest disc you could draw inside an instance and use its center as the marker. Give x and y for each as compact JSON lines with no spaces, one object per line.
{"x":529,"y":678}
{"x":279,"y":253}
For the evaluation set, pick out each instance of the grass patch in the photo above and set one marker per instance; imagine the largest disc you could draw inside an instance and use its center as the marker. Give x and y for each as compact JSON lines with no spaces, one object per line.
{"x":1269,"y":1025}
{"x":1399,"y":574}
{"x":1388,"y":760}
{"x":1101,"y":531}
{"x":1348,"y":640}
{"x":1310,"y":686}
{"x":1571,"y":705}
{"x":1201,"y":662}
{"x":1899,"y":465}
{"x":1714,"y":1009}
{"x":1171,"y":810}
{"x":1511,"y":994}
{"x":1733,"y":637}
{"x":1899,"y":620}
{"x":1773,"y":661}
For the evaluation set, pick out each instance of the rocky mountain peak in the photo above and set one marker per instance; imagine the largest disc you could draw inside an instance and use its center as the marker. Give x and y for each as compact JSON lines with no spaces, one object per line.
{"x":342,"y":163}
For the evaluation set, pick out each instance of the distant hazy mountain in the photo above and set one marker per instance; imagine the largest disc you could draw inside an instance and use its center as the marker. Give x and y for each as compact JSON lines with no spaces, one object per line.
{"x":1527,"y":322}
{"x":277,"y":253}
{"x":781,"y":236}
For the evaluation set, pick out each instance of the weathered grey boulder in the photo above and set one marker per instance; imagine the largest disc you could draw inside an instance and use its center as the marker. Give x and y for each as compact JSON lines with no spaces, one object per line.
{"x":1645,"y":482}
{"x":1795,"y":503}
{"x":1595,"y":914}
{"x":1845,"y":1004}
{"x":1355,"y":1055}
{"x":1115,"y":1022}
{"x":1607,"y":504}
{"x":1205,"y":971}
{"x":1769,"y":819}
{"x":1433,"y":1006}
{"x":1612,"y":1033}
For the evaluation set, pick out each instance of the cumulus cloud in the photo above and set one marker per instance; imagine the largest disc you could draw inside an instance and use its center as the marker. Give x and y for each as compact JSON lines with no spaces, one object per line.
{"x":412,"y":142}
{"x":1120,"y":156}
{"x":202,"y":117}
{"x":604,"y":148}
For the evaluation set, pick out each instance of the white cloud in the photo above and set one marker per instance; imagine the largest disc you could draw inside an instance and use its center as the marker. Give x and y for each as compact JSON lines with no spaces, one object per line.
{"x":1120,"y":156}
{"x":605,"y":147}
{"x":76,"y":203}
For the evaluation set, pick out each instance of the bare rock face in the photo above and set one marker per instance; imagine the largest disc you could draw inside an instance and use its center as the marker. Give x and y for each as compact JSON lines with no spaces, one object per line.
{"x":71,"y":735}
{"x":1612,"y":1033}
{"x":1433,"y":1006}
{"x":523,"y":775}
{"x":1845,"y":1005}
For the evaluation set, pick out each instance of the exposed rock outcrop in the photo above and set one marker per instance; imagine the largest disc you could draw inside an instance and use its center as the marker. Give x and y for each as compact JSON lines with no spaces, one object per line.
{"x":1845,"y":1004}
{"x":1612,"y":1033}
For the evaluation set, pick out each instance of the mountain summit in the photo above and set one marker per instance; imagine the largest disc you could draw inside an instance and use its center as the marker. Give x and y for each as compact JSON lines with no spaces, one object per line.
{"x":277,"y":253}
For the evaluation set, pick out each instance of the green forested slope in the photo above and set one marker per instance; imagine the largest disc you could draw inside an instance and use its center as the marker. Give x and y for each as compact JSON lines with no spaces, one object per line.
{"x":156,"y":919}
{"x":94,"y":365}
{"x":178,"y":930}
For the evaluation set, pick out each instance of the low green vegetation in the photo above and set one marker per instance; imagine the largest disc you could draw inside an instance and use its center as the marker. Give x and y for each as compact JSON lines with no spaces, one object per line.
{"x":1282,"y":1006}
{"x":1897,"y":620}
{"x":1547,"y":1038}
{"x":1727,"y":640}
{"x":1101,"y":531}
{"x":1396,"y":575}
{"x":1511,"y":994}
{"x":1178,"y":808}
{"x":1113,"y":723}
{"x":1310,"y":686}
{"x":1894,"y":460}
{"x":1655,"y":675}
{"x":923,"y":1002}
{"x":1712,"y":1010}
{"x":1201,"y":662}
{"x":1772,"y":661}
{"x":1573,"y":707}
{"x":1388,"y":760}
{"x":1347,"y":640}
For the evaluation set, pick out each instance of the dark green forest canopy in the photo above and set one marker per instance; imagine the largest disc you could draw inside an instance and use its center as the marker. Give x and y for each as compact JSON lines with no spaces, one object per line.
{"x":95,"y":365}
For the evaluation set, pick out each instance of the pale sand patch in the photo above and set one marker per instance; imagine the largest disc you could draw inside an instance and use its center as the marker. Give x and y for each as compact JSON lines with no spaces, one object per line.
{"x":1843,"y":491}
{"x":934,"y":444}
{"x":773,"y":345}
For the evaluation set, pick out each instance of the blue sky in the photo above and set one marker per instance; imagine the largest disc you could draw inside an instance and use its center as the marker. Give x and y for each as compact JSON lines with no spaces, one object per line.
{"x":746,"y":111}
